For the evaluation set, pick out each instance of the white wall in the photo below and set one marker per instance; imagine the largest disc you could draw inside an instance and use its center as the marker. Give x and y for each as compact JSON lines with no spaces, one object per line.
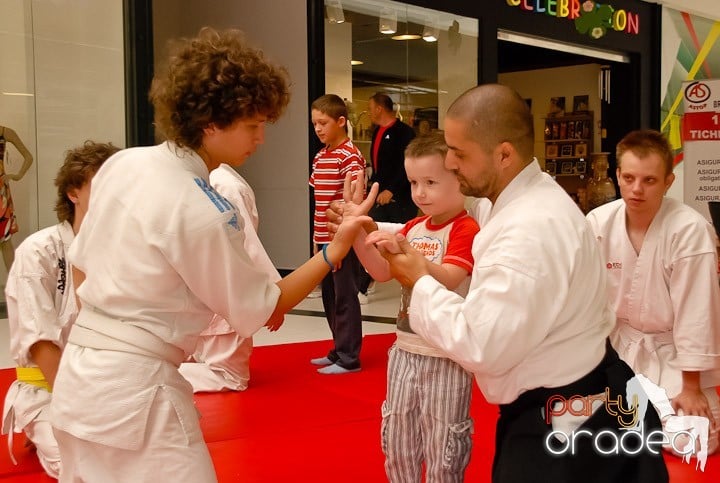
{"x":457,"y":71}
{"x":279,"y":170}
{"x":79,"y":83}
{"x":338,"y":54}
{"x":705,"y":8}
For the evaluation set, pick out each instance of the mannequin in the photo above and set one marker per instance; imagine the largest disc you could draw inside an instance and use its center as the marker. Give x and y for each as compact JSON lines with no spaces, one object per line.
{"x":8,"y":224}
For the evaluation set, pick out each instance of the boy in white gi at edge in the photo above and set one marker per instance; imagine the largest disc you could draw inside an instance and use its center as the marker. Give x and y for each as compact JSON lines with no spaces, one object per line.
{"x":535,"y":321}
{"x":221,"y":360}
{"x":42,"y":306}
{"x":662,"y":281}
{"x":161,"y":252}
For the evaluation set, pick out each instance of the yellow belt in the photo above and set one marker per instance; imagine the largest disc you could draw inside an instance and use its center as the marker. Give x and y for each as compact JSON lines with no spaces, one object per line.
{"x":32,"y":375}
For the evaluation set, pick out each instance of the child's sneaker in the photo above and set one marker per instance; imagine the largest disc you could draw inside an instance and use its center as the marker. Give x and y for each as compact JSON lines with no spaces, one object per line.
{"x":335,"y":369}
{"x":321,"y":361}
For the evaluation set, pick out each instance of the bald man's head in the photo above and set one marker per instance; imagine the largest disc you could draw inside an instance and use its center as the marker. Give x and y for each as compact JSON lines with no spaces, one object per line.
{"x":495,"y":114}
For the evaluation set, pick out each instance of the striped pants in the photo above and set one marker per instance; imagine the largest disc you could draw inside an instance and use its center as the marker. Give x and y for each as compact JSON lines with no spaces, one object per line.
{"x":426,"y":418}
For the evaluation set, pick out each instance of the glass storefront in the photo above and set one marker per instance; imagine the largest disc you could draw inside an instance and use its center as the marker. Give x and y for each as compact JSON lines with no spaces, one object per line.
{"x":61,"y":82}
{"x":422,"y":58}
{"x":17,"y":130}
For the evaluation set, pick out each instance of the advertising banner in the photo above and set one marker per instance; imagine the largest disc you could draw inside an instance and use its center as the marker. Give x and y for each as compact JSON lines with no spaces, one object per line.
{"x":701,"y":144}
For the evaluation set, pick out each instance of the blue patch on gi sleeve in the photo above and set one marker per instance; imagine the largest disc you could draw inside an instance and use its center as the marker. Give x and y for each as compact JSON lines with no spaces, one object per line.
{"x":220,"y":203}
{"x":233,"y":222}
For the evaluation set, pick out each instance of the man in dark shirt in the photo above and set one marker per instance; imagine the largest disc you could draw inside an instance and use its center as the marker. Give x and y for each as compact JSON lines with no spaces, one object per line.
{"x":387,"y":153}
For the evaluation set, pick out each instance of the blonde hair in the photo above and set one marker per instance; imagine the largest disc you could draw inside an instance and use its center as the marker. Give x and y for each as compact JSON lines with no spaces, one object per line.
{"x":429,"y":144}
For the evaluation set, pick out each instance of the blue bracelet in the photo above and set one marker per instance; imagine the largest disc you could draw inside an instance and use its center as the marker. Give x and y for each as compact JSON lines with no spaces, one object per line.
{"x":327,"y":260}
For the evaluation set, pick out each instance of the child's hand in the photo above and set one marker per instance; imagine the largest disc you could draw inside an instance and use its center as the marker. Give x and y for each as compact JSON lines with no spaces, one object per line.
{"x":407,"y":265}
{"x":355,"y":203}
{"x":352,"y":204}
{"x":275,"y":322}
{"x":354,"y":214}
{"x":383,"y":241}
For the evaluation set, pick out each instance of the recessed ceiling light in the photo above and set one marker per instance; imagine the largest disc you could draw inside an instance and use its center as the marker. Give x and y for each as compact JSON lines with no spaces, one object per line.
{"x":356,"y":62}
{"x":406,"y":37}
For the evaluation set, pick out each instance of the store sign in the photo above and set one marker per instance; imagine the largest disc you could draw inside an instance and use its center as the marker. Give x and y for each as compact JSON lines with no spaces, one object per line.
{"x":701,"y":143}
{"x":590,"y":17}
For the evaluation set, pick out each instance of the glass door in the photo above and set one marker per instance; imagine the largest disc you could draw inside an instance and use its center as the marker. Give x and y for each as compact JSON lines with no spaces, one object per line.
{"x":422,"y":58}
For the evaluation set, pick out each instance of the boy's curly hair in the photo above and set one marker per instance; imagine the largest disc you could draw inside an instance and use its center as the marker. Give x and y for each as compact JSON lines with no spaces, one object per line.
{"x":80,"y":165}
{"x":215,"y":78}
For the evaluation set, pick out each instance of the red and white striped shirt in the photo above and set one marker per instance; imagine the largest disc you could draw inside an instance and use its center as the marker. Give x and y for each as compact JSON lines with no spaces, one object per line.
{"x":330,"y":167}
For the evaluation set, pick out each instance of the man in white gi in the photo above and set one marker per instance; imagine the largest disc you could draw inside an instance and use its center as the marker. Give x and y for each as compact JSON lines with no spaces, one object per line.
{"x":221,"y":360}
{"x":534,"y":324}
{"x":662,"y":271}
{"x":42,"y":307}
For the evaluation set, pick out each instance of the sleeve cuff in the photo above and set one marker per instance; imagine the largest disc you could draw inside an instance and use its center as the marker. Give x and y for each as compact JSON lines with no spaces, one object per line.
{"x":696,"y":362}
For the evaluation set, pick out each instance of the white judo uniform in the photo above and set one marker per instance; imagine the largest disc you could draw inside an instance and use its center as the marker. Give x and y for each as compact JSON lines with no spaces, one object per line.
{"x":41,"y":306}
{"x":533,"y":298}
{"x":222,"y":357}
{"x":163,"y":253}
{"x":666,"y":298}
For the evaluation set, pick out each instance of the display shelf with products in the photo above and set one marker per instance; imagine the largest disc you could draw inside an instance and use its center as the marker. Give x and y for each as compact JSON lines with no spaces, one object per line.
{"x":568,"y":142}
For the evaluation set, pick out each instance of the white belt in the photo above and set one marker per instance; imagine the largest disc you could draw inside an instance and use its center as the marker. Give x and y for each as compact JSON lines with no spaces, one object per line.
{"x":97,"y":330}
{"x":649,"y":341}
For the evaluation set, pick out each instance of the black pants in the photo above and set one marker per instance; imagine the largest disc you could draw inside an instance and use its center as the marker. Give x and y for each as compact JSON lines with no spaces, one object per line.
{"x":342,"y":309}
{"x":521,"y":454}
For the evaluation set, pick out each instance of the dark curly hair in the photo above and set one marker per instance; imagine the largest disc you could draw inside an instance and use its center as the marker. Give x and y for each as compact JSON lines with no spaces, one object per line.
{"x":215,"y":78}
{"x":79,"y":167}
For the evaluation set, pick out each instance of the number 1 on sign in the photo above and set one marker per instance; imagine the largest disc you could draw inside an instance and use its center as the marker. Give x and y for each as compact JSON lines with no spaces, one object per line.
{"x":715,"y":119}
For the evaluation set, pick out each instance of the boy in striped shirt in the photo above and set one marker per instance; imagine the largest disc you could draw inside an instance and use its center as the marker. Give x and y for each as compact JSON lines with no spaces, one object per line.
{"x":339,"y":290}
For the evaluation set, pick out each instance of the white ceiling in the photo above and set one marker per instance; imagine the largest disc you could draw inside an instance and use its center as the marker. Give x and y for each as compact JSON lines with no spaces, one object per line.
{"x":705,"y":8}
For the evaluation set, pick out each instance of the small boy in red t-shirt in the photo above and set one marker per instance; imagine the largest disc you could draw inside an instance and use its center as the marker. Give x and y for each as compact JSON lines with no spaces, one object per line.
{"x":426,"y":413}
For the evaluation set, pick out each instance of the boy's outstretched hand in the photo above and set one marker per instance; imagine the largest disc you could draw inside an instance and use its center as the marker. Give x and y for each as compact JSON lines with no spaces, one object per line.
{"x":353,"y":210}
{"x":352,"y":204}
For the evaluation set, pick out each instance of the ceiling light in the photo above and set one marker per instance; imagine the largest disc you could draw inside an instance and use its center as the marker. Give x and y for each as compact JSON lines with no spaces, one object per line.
{"x":431,"y":32}
{"x":388,"y":21}
{"x":22,"y":94}
{"x":406,"y":37}
{"x":356,"y":62}
{"x":334,"y":11}
{"x":562,"y":47}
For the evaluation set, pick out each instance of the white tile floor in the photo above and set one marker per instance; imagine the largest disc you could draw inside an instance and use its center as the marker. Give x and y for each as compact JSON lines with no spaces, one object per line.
{"x":297,"y":328}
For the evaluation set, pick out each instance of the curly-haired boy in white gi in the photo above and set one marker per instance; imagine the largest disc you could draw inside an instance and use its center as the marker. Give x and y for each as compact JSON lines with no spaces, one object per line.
{"x":162,"y":253}
{"x":426,"y":411}
{"x":42,"y":306}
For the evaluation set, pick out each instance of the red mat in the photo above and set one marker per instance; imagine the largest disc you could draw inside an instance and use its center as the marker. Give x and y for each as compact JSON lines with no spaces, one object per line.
{"x":296,"y":425}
